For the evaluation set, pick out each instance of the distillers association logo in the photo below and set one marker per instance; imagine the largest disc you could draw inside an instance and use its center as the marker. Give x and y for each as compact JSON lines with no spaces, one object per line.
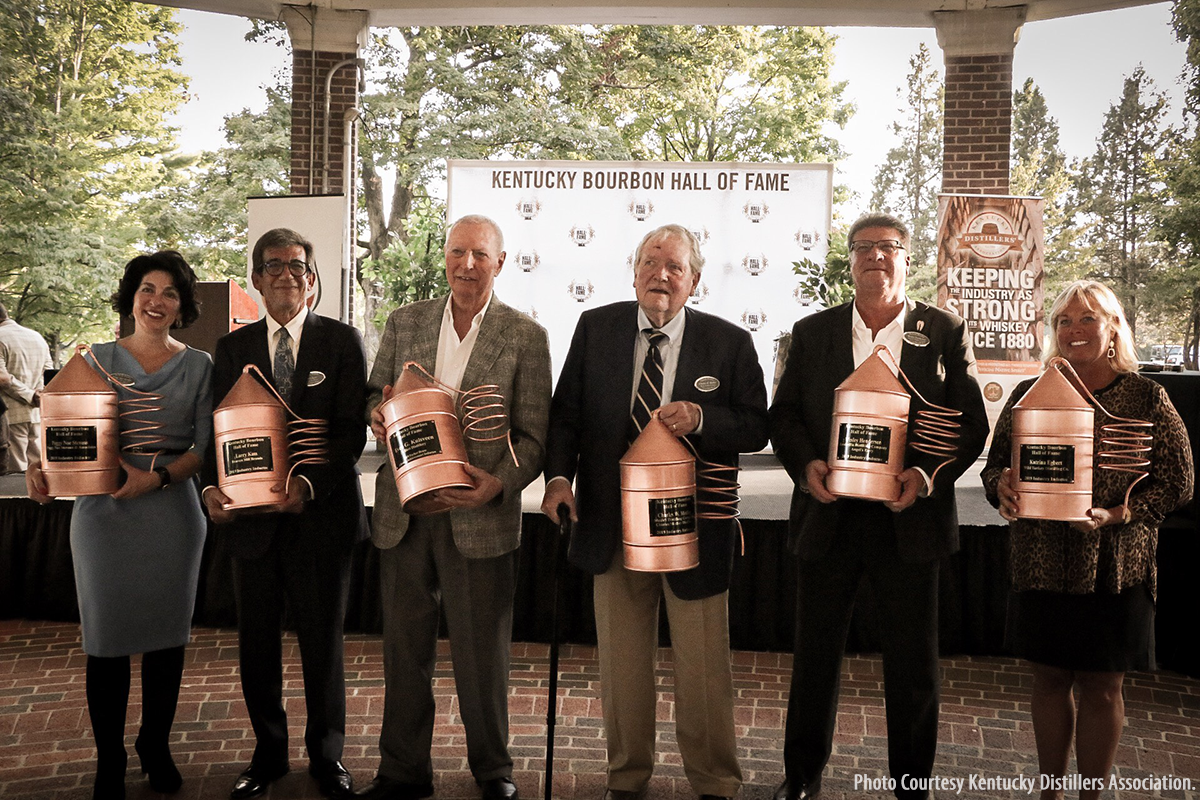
{"x":699,"y":294}
{"x":528,"y":207}
{"x":990,"y":235}
{"x":702,"y":235}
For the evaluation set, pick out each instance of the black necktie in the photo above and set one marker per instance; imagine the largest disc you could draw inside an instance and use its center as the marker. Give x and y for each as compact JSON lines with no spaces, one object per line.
{"x":650,"y":385}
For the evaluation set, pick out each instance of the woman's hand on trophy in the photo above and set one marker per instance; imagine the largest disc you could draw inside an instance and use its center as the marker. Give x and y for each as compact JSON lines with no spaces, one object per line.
{"x":35,"y":483}
{"x":1008,"y":495}
{"x":1099,"y":518}
{"x":137,"y":483}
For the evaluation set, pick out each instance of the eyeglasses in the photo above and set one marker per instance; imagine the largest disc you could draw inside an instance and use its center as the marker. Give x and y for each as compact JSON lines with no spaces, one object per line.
{"x":888,"y":247}
{"x":275,"y":268}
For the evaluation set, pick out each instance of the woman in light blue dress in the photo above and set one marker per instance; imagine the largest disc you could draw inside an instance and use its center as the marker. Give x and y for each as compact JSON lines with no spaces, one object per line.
{"x":137,"y":552}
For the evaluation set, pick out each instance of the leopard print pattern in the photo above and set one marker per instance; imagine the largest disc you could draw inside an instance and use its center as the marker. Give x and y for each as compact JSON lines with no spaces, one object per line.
{"x":1053,"y":556}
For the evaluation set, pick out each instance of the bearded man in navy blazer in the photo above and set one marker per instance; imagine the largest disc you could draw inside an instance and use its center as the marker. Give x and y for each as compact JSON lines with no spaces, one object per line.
{"x":897,"y":546}
{"x":713,"y":393}
{"x":300,"y":555}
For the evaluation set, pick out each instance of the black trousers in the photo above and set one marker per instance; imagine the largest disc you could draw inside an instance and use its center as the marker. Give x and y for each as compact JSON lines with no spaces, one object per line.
{"x":314,"y":586}
{"x":906,"y":595}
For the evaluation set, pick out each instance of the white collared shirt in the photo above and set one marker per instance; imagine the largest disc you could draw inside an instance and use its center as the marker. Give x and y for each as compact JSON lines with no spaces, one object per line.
{"x":669,"y":351}
{"x":295,"y":327}
{"x":453,"y":353}
{"x":891,"y":336}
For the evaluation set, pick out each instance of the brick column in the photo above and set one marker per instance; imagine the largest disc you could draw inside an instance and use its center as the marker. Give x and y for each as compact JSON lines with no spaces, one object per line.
{"x":321,"y":38}
{"x":978,"y":48}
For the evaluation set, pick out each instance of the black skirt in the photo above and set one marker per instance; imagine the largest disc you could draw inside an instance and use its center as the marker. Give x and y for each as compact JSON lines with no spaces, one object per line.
{"x":1088,"y":632}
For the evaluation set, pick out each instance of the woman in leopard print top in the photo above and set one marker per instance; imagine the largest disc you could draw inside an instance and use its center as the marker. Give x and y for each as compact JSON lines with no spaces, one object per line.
{"x":1082,"y":609}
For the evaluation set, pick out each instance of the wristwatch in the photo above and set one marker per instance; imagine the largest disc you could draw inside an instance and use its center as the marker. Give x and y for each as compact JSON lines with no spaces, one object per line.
{"x":164,"y":475}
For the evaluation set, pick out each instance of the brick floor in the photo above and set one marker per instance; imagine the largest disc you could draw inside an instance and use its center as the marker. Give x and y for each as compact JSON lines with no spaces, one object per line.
{"x":46,"y":750}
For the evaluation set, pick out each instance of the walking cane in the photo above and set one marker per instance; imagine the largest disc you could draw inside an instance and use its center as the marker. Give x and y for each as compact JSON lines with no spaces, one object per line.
{"x":560,"y":558}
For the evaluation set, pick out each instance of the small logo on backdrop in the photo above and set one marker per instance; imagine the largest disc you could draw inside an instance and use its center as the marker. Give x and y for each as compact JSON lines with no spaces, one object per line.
{"x":699,"y":294}
{"x":800,"y":297}
{"x":807,"y":239}
{"x":581,"y":290}
{"x":528,"y":261}
{"x":990,"y":235}
{"x":992,"y":392}
{"x":641,"y":209}
{"x":754,"y":319}
{"x":529,"y":207}
{"x":530,"y":312}
{"x":582,"y":235}
{"x":754,"y":264}
{"x":755,"y":210}
{"x":702,"y":235}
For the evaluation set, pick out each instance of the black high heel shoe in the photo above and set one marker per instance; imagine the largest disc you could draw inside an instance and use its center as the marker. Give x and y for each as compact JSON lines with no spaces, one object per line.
{"x":159,"y":767}
{"x":110,"y":779}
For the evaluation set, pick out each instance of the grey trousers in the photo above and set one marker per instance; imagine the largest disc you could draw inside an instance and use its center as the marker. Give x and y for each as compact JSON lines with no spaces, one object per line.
{"x":423,"y":572}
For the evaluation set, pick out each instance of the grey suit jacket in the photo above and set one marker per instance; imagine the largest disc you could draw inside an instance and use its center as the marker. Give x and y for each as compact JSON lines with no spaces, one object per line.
{"x":512,"y":351}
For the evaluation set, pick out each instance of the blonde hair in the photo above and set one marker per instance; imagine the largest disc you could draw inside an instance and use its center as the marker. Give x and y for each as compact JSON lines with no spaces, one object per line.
{"x":1100,"y":298}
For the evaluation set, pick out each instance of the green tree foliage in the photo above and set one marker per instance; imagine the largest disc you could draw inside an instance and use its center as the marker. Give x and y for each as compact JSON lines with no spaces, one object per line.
{"x":713,"y":93}
{"x":1121,"y":187}
{"x":1039,"y":168}
{"x":202,"y":210}
{"x":907,"y":183}
{"x":87,"y":88}
{"x":1179,"y":220}
{"x":412,"y":268}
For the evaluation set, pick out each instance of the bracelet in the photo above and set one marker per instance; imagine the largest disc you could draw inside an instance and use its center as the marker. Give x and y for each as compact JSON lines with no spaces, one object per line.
{"x":1126,"y":515}
{"x":164,"y":475}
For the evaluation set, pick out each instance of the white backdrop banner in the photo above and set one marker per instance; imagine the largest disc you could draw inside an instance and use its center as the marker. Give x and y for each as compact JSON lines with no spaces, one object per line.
{"x":571,"y":228}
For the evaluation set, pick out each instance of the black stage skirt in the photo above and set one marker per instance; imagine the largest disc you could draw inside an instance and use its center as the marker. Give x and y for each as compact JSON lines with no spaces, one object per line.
{"x":1089,"y":632}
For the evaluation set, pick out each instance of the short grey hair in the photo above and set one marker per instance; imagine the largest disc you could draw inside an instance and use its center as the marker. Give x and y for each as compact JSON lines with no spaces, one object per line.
{"x":478,"y":219}
{"x":695,"y":261}
{"x":880,"y":220}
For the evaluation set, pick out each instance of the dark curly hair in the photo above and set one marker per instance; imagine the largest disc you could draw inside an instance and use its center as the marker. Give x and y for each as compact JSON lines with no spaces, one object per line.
{"x":170,"y":262}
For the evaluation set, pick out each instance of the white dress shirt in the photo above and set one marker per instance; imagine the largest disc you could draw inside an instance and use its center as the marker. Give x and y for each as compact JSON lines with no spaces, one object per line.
{"x":454,"y":353}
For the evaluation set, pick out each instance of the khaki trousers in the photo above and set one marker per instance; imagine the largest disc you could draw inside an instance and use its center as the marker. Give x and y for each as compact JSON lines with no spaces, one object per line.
{"x":627,"y":629}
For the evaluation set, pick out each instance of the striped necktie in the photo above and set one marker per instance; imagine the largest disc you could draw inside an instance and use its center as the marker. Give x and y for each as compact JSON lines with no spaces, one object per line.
{"x":284,"y":364}
{"x":650,"y":385}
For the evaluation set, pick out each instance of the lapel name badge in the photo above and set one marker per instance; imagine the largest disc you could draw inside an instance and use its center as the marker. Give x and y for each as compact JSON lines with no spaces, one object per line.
{"x":707,"y":383}
{"x":916,"y":338}
{"x":315,"y":378}
{"x":122,"y":378}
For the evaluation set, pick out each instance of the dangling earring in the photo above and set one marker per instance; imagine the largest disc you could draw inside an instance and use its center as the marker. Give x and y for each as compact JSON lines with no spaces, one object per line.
{"x":1112,"y":352}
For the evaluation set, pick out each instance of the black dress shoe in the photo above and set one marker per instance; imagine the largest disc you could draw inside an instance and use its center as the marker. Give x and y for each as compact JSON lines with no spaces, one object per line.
{"x":255,"y":780}
{"x":799,"y":791}
{"x":333,"y":780}
{"x":389,"y":789}
{"x":714,"y":797}
{"x":623,"y":794}
{"x":499,"y":789}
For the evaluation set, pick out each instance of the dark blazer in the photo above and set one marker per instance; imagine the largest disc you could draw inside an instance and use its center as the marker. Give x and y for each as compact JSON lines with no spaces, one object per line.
{"x":820,"y":357}
{"x":335,"y":516}
{"x":589,"y":416}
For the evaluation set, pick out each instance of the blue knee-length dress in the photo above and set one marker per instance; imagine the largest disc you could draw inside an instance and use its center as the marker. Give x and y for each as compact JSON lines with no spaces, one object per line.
{"x":137,"y":562}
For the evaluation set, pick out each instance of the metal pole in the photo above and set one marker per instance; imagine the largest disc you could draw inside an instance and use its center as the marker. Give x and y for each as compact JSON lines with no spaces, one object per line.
{"x":560,"y":558}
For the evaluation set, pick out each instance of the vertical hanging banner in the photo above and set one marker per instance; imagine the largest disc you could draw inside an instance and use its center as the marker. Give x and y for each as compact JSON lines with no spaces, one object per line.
{"x":990,"y":261}
{"x":571,"y":229}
